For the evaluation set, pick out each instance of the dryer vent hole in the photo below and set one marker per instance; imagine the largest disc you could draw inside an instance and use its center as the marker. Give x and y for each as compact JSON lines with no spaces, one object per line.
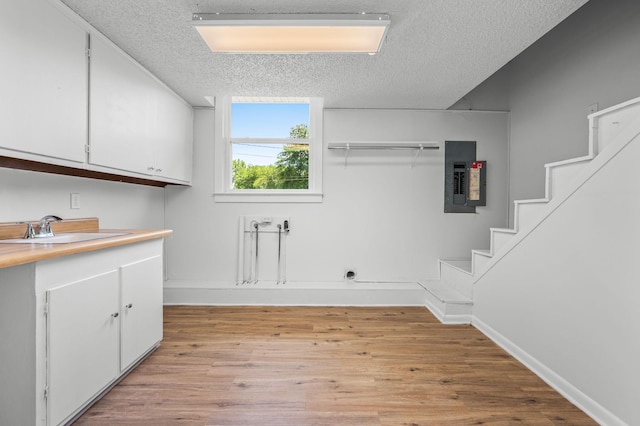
{"x":350,"y":275}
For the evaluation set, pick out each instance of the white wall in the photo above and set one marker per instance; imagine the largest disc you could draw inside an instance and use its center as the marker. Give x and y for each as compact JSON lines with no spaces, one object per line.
{"x":566,"y":298}
{"x":379,"y":215}
{"x":590,"y":57}
{"x":26,"y":195}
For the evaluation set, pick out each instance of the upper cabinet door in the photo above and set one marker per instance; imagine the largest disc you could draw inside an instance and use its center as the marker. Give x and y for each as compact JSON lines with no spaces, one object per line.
{"x":172,"y":151}
{"x":43,"y":81}
{"x":124,"y":101}
{"x":137,"y":124}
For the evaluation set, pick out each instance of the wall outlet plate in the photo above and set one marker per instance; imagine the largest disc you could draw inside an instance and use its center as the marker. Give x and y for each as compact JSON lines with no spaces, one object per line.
{"x":74,"y":201}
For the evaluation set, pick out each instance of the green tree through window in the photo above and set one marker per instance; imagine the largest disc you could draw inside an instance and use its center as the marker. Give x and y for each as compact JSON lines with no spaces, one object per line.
{"x":290,"y":171}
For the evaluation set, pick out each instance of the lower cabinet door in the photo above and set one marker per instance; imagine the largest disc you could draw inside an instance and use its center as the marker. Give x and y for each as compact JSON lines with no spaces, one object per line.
{"x":141,"y":308}
{"x":82,"y":342}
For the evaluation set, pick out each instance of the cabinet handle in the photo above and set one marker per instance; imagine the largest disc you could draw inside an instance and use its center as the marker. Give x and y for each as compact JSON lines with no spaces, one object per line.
{"x":158,"y":170}
{"x":150,"y":168}
{"x":115,"y":315}
{"x":129,"y":305}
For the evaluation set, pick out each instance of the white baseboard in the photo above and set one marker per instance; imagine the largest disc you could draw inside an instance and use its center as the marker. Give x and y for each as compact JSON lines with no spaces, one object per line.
{"x":294,"y":294}
{"x":566,"y":389}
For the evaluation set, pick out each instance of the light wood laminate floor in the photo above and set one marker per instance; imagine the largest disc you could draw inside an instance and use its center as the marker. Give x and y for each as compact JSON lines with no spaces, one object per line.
{"x":327,"y":366}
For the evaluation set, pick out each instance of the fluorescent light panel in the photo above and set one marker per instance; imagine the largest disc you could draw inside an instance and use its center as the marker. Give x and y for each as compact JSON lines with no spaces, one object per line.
{"x":292,"y":33}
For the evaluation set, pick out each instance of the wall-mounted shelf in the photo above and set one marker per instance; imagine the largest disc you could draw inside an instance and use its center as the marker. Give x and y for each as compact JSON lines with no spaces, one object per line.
{"x":390,"y":146}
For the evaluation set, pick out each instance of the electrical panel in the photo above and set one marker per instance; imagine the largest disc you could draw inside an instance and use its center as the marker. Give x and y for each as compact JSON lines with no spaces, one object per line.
{"x":464,"y":178}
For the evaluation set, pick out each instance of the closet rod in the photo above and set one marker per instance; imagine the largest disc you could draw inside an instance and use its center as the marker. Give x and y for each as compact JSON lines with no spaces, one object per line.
{"x":388,"y":146}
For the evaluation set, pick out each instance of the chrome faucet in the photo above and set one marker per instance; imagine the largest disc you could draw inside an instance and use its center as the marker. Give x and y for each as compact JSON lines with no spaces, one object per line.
{"x":44,"y":226}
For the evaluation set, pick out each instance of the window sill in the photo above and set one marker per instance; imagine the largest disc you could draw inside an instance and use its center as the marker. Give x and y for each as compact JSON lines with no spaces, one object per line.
{"x":278,"y":197}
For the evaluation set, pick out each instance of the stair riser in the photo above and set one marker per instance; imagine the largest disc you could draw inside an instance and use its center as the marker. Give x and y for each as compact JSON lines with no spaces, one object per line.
{"x":561,"y":178}
{"x":449,"y":313}
{"x":479,"y":262}
{"x":500,"y":239}
{"x":457,"y":279}
{"x":527,"y":215}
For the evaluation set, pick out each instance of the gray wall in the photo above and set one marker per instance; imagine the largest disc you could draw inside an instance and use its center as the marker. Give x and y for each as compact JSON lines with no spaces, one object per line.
{"x":592,"y":57}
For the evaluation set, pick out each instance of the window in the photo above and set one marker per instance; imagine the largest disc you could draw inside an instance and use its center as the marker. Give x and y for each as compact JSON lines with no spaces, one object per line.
{"x":268,"y":149}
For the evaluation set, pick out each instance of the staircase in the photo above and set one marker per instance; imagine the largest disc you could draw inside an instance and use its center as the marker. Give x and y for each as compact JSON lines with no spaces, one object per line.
{"x":450,"y":297}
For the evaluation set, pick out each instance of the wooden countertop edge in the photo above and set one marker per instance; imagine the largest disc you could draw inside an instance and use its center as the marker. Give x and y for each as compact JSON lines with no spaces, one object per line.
{"x":19,"y":254}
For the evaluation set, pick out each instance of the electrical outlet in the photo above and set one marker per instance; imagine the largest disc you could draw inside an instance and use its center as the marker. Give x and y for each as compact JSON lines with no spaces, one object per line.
{"x":74,"y":200}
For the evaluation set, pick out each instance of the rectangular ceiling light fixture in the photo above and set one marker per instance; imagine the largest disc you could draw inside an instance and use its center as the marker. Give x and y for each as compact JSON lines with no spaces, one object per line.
{"x":292,"y":33}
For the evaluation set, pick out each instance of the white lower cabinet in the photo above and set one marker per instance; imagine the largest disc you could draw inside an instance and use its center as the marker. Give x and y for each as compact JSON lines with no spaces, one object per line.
{"x":141,"y":309}
{"x":71,"y":327}
{"x":82,"y":338}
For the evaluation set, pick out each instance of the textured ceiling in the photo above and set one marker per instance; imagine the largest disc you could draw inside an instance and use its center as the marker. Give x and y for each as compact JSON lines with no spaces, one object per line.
{"x":435,"y":51}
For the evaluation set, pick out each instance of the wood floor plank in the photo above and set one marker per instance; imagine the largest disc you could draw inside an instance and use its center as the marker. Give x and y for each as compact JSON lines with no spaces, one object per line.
{"x":231,"y":366}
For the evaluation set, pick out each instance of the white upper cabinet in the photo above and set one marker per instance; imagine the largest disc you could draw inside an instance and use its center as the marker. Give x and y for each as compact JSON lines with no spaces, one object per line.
{"x":43,"y":81}
{"x":67,"y":90}
{"x":173,"y":149}
{"x":136,"y":123}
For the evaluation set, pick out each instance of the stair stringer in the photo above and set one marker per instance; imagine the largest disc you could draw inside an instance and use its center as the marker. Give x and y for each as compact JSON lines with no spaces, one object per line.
{"x":450,"y":298}
{"x":621,"y":140}
{"x":562,"y":180}
{"x":612,"y":292}
{"x":610,"y":126}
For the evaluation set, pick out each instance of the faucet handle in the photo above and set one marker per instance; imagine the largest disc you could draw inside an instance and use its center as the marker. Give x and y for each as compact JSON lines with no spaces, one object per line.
{"x":45,"y":225}
{"x":30,"y":233}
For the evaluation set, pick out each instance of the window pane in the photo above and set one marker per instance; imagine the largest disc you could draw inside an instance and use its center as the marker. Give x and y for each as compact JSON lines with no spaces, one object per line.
{"x":267,"y":120}
{"x":270,"y":166}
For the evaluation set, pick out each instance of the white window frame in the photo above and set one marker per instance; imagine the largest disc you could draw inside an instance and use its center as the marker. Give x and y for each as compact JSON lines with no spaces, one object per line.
{"x":223,"y":190}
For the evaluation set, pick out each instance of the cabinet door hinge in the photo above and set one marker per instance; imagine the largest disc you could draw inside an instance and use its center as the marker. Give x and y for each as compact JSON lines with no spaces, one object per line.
{"x":45,"y":309}
{"x":86,"y":148}
{"x":46,"y":391}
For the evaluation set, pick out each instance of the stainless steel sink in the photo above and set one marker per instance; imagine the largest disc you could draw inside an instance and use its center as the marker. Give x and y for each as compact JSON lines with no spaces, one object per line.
{"x":66,"y":238}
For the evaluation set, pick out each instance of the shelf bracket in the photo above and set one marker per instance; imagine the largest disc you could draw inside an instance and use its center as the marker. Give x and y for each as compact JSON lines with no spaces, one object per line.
{"x":415,"y":156}
{"x":346,"y":155}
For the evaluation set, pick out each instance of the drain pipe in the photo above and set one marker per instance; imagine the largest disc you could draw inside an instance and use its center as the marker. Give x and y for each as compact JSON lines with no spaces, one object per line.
{"x":284,"y":251}
{"x":256,"y":225}
{"x":279,"y":252}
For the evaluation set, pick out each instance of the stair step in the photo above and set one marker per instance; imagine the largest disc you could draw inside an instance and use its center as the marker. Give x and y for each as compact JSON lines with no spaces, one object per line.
{"x":561,"y":174}
{"x":464,"y":265}
{"x":457,"y":273}
{"x":500,"y":237}
{"x":447,"y":304}
{"x":527,"y":212}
